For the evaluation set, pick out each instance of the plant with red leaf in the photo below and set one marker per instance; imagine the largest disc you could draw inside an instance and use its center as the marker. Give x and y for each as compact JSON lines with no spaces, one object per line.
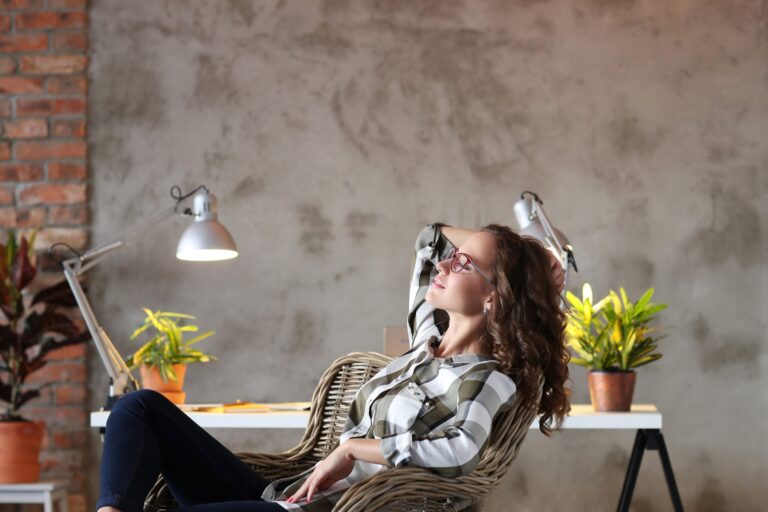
{"x":28,"y":332}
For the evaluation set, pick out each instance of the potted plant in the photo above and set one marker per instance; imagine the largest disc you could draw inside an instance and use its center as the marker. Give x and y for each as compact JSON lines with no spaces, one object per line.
{"x":612,"y":337}
{"x":31,"y":327}
{"x":163,"y":359}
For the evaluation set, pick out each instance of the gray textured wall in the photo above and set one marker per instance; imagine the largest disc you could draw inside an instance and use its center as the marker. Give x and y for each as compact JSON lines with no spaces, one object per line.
{"x":332,"y":131}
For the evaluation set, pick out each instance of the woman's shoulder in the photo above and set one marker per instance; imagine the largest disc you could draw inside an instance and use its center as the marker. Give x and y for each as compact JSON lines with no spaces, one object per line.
{"x":488,"y":375}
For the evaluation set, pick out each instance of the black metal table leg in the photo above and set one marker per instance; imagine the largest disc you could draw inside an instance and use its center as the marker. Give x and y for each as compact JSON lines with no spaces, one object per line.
{"x":651,"y":439}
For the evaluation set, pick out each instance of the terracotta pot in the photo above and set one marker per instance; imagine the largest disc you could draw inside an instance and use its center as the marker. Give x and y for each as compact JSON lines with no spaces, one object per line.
{"x":20,"y":443}
{"x":151,"y":379}
{"x":611,"y":390}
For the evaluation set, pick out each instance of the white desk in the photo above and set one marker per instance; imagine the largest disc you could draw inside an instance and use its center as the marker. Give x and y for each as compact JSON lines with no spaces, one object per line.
{"x":581,"y":417}
{"x":643,"y":418}
{"x":271,"y":419}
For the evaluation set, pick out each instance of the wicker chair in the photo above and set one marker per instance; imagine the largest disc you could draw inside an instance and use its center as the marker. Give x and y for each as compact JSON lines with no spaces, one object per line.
{"x":406,"y":488}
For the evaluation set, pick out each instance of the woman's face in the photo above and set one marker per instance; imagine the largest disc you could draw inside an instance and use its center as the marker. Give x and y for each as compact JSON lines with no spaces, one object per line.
{"x":465,"y":292}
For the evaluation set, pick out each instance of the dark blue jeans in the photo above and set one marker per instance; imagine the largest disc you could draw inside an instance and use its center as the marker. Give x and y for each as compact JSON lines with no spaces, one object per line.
{"x":147,"y":434}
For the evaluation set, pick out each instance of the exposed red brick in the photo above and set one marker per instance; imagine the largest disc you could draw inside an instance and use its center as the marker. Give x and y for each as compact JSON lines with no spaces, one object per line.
{"x":66,"y":171}
{"x":49,"y":107}
{"x":21,"y":172}
{"x":63,"y":460}
{"x":59,"y":372}
{"x":68,"y":352}
{"x":68,"y":438}
{"x":50,"y":19}
{"x":7,"y":65}
{"x":6,"y":195}
{"x":70,"y":41}
{"x":67,"y":84}
{"x":21,"y":85}
{"x":67,"y":4}
{"x":53,"y":193}
{"x":76,"y":237}
{"x":76,"y":215}
{"x":45,"y":150}
{"x":77,"y":502}
{"x":69,"y":128}
{"x":5,"y":107}
{"x":14,"y":43}
{"x":43,"y":187}
{"x":21,"y":4}
{"x":53,"y":64}
{"x":25,"y":129}
{"x":22,"y":217}
{"x":69,"y":394}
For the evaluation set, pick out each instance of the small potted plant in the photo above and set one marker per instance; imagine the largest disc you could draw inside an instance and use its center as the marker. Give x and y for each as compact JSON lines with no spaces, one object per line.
{"x":612,"y":337}
{"x":163,"y":360}
{"x":32,"y":326}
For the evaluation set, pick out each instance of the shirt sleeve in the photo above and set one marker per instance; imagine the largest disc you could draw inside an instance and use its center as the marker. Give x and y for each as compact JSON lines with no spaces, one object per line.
{"x":424,"y":320}
{"x":455,"y":448}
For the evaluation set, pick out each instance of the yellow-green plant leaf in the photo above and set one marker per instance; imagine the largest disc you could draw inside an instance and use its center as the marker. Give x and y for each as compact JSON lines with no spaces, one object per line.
{"x":168,"y":314}
{"x":199,"y":338}
{"x":153,"y":319}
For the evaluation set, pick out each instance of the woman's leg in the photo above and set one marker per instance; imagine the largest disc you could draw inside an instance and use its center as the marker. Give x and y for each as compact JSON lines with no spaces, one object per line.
{"x":147,"y":434}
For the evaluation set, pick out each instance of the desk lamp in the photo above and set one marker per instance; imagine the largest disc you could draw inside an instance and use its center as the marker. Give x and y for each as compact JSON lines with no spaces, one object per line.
{"x":204,"y":240}
{"x":533,"y":221}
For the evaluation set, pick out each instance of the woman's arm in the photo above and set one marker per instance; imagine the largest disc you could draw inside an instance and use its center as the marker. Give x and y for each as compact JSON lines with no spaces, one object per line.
{"x":457,"y":236}
{"x":365,"y":449}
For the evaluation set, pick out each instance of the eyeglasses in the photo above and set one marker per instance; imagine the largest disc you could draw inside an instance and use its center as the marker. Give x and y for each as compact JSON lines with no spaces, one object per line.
{"x":460,"y":261}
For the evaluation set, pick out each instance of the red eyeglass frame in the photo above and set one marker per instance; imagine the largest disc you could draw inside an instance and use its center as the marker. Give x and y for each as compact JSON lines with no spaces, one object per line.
{"x":456,"y":264}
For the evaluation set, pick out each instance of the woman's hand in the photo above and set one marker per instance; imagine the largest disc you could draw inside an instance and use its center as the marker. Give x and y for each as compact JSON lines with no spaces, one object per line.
{"x":336,"y":465}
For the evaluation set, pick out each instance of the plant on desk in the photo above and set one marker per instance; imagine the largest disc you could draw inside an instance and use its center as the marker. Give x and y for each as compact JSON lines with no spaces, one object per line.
{"x":612,"y":336}
{"x":32,"y":327}
{"x":163,"y":360}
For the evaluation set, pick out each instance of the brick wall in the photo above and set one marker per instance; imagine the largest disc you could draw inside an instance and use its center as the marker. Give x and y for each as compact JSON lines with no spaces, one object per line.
{"x":43,"y":185}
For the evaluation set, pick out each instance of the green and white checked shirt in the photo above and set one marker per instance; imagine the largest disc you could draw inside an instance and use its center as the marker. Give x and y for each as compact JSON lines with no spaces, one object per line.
{"x":430,"y":412}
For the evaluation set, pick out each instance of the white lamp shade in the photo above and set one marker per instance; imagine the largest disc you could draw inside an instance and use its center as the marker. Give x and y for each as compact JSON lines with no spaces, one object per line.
{"x":206,"y":240}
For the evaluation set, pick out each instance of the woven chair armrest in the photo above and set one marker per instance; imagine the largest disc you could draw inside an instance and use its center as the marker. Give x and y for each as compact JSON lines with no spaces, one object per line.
{"x":419,"y":487}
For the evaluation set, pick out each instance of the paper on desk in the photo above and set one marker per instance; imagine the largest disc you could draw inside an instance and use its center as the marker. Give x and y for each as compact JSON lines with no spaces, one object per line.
{"x":239,"y":406}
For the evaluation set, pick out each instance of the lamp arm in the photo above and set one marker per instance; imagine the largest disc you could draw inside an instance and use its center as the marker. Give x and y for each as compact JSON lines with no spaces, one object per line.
{"x":538,"y":210}
{"x":121,"y":379}
{"x":564,"y":255}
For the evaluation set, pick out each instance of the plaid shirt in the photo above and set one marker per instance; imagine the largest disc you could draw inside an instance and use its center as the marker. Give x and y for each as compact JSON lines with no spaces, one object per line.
{"x":430,"y":412}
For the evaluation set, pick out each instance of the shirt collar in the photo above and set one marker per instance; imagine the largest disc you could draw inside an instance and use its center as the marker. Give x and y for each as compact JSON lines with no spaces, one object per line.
{"x":455,"y":359}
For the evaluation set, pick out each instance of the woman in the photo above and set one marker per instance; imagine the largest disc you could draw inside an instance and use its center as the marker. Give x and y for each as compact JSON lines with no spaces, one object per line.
{"x":483,"y":320}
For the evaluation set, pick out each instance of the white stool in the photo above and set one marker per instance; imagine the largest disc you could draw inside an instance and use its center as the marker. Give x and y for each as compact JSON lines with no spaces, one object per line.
{"x":46,"y":493}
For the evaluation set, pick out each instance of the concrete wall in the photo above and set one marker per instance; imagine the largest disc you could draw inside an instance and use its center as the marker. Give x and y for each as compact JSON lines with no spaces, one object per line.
{"x":333,"y":130}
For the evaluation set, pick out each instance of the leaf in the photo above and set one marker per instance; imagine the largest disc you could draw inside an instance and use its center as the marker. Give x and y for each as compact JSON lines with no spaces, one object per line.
{"x":166,"y":314}
{"x":22,"y":270}
{"x":643,"y":300}
{"x":153,"y":319}
{"x":624,"y":297}
{"x":573,"y":299}
{"x":646,"y":360}
{"x":199,"y":338}
{"x":59,"y":294}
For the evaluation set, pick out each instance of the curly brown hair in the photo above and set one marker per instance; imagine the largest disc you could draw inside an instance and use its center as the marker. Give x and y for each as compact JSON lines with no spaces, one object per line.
{"x":525,"y":328}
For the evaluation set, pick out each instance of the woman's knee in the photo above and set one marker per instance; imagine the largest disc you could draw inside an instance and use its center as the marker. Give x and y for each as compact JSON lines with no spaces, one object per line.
{"x":139,"y":400}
